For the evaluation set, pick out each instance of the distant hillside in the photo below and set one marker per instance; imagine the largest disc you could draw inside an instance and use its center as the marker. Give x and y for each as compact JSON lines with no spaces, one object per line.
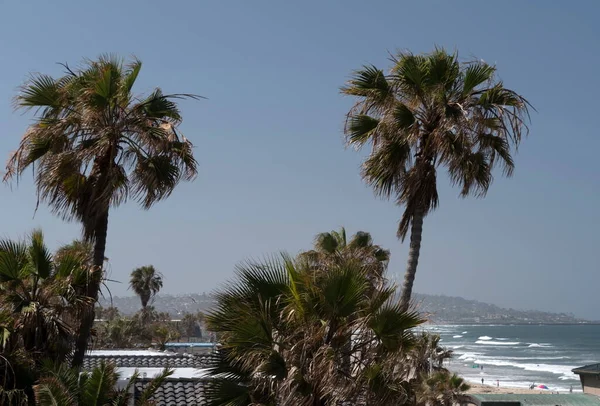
{"x":441,"y":309}
{"x":450,"y":309}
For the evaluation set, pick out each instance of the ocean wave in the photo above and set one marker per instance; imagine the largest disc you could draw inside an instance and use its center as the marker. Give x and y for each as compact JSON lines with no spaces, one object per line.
{"x":470,"y":356}
{"x":456,"y":347}
{"x":571,"y":377}
{"x":542,"y":345}
{"x":457,"y":336}
{"x":464,"y":332}
{"x":490,"y":342}
{"x":485,"y":338}
{"x":563,"y":370}
{"x":501,"y":339}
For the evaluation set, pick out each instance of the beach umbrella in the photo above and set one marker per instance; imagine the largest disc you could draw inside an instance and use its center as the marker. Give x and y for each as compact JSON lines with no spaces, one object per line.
{"x":542,"y":387}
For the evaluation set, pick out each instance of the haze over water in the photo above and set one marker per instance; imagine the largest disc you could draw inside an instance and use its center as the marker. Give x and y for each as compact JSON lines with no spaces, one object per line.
{"x":518,"y":355}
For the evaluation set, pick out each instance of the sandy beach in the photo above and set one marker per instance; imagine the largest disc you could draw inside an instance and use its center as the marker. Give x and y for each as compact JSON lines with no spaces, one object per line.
{"x":478,"y":388}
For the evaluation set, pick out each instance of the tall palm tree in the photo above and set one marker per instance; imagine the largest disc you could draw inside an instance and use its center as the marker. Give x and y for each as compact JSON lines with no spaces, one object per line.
{"x":146,"y":282}
{"x":432,"y":111}
{"x":284,"y":337}
{"x":95,"y":145}
{"x":41,"y":299}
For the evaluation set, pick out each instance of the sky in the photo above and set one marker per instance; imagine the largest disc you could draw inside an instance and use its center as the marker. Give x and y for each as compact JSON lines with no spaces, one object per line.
{"x":274,"y":170}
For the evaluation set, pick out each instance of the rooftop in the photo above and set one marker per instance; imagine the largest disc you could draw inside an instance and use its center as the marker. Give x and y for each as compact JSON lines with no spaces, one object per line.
{"x":546,"y":399}
{"x":588,"y":369}
{"x":181,"y":392}
{"x":145,"y":359}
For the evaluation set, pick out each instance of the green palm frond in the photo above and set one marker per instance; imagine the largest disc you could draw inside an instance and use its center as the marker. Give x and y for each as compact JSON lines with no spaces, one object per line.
{"x":153,"y":386}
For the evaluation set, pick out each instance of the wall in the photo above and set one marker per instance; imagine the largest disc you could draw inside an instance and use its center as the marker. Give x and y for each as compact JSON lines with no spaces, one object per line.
{"x":591,"y":384}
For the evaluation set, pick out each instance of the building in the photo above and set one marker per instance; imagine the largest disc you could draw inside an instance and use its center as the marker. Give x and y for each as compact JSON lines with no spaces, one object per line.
{"x":589,"y":376}
{"x":184,"y":387}
{"x":544,"y":399}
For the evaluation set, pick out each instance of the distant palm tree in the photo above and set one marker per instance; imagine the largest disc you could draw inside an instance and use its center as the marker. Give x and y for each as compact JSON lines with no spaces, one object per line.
{"x":68,"y":387}
{"x":95,"y":144}
{"x":432,"y":111}
{"x":146,"y":282}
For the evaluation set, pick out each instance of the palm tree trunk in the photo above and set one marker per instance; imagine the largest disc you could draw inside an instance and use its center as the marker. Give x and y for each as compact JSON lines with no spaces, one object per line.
{"x":413,"y":259}
{"x":87,"y":320}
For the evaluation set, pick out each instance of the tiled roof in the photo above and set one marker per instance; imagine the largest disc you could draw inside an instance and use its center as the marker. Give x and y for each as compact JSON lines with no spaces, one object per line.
{"x":148,"y":361}
{"x":588,"y":369}
{"x":179,"y":392}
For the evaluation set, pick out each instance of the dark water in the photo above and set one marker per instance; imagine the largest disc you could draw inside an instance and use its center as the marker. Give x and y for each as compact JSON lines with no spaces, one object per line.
{"x":518,"y":356}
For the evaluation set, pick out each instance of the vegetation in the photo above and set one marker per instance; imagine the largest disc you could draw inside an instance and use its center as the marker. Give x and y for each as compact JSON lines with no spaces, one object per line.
{"x":68,"y":387}
{"x":94,"y":145}
{"x":41,"y":300}
{"x":146,"y":282}
{"x":295,"y":333}
{"x":432,"y":111}
{"x":320,"y":329}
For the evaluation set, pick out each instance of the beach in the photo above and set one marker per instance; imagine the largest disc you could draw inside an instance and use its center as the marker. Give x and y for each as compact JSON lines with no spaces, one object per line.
{"x":520,"y":355}
{"x":479,"y":388}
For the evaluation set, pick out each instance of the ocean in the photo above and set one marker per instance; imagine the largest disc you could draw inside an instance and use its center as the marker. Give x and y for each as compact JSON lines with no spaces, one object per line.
{"x":518,"y":356}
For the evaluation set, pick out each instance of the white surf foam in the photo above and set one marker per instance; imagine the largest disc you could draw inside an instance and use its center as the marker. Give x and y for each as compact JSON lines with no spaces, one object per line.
{"x":485,"y":338}
{"x":563,"y":370}
{"x":464,"y":332}
{"x":470,"y":356}
{"x":542,"y":345}
{"x":457,"y":336}
{"x":490,"y":342}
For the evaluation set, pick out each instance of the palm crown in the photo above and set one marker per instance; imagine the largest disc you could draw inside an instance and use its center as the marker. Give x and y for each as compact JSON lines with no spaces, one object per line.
{"x":145,"y":282}
{"x":96,"y":144}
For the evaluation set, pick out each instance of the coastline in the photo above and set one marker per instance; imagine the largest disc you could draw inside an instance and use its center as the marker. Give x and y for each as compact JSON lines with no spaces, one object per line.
{"x":479,"y":388}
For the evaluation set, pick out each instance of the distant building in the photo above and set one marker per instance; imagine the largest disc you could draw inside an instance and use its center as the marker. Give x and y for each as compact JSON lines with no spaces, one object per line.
{"x":544,"y":399}
{"x":589,"y":376}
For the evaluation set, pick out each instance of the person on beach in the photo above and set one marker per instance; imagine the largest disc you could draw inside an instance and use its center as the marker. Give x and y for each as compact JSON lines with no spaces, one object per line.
{"x":497,"y":383}
{"x":482,"y":381}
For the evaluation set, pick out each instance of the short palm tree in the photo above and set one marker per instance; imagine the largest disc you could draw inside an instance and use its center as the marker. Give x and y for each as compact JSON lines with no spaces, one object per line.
{"x":146,"y":282}
{"x":442,"y":389}
{"x":285,"y":334}
{"x":68,"y":387}
{"x":432,"y":111}
{"x":41,"y":299}
{"x":95,"y":145}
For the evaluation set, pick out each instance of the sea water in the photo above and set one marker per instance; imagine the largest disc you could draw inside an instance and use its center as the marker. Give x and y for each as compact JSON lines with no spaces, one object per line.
{"x":521,"y":355}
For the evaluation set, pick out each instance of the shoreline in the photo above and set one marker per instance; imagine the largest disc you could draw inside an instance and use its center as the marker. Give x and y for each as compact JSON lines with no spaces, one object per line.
{"x":491,"y":323}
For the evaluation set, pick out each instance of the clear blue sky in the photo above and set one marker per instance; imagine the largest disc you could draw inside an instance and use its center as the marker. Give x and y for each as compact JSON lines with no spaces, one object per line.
{"x":273,"y":167}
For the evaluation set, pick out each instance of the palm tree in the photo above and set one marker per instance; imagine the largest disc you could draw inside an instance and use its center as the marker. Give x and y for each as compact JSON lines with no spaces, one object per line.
{"x":67,"y":387}
{"x":284,"y":337}
{"x":145,"y":282}
{"x":94,"y":145}
{"x":41,"y":300}
{"x":442,"y":389}
{"x":432,"y":111}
